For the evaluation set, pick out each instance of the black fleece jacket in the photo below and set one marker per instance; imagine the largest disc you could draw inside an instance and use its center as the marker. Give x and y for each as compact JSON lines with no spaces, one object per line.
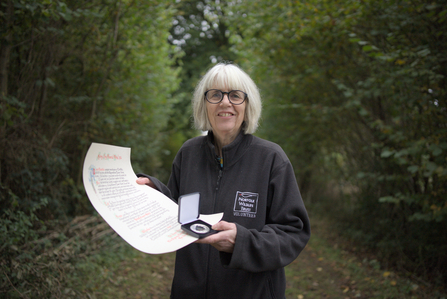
{"x":257,"y":190}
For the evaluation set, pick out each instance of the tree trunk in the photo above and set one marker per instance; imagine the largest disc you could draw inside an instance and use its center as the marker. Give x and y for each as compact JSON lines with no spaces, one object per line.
{"x":5,"y":51}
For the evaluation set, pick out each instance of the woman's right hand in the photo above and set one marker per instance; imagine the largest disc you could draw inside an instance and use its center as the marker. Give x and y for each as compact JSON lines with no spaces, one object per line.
{"x":145,"y":181}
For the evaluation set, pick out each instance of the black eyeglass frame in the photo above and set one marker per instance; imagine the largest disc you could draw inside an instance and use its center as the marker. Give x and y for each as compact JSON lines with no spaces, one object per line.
{"x":228,"y":96}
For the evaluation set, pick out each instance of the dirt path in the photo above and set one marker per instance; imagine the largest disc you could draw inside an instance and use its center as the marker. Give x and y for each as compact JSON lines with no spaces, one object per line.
{"x":312,"y":275}
{"x":316,"y":273}
{"x":323,"y":270}
{"x":327,"y":269}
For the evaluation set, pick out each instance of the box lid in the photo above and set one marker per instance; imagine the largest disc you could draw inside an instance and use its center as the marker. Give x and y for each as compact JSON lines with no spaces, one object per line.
{"x":188,"y":207}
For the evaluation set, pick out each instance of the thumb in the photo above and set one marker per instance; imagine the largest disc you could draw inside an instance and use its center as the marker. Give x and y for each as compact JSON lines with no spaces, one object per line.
{"x":143,"y":181}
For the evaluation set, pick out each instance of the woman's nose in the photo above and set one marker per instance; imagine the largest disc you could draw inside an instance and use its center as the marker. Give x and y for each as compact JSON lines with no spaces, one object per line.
{"x":227,"y":97}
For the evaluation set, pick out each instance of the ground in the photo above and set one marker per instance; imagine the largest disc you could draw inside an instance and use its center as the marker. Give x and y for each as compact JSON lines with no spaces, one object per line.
{"x":325,"y":269}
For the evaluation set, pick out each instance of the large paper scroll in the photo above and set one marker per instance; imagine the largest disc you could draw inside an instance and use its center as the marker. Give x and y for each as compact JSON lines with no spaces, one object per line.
{"x":144,"y":217}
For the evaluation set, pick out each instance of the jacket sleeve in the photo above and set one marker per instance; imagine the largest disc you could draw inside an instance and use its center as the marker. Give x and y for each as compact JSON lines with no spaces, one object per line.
{"x":284,"y":235}
{"x":158,"y":184}
{"x":171,"y":190}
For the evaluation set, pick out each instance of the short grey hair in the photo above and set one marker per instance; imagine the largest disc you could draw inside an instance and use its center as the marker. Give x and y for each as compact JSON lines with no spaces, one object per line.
{"x":231,"y":77}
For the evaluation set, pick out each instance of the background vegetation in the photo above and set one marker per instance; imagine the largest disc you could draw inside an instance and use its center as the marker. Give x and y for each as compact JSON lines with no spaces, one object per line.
{"x":354,"y":91}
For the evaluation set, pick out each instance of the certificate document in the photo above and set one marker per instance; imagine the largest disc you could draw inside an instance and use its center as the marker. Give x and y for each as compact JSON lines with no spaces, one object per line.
{"x":144,"y":217}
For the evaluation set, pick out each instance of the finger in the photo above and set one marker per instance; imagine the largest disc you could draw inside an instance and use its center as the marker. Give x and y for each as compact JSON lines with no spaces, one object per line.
{"x":214,"y":238}
{"x":143,"y":181}
{"x":223,"y":225}
{"x":221,"y":241}
{"x":226,"y":235}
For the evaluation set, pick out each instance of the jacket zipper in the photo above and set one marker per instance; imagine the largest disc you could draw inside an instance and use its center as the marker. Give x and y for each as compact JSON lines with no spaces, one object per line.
{"x":219,"y":177}
{"x":219,"y":161}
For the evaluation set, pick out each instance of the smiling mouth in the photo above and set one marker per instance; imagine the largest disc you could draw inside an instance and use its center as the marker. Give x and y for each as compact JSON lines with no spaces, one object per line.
{"x":225,"y":114}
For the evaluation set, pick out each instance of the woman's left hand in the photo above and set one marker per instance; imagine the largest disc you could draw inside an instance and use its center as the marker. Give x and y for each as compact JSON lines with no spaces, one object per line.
{"x":225,"y":239}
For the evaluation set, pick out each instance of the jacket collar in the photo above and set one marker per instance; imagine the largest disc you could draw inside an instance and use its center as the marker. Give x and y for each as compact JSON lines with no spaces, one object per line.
{"x":231,"y":152}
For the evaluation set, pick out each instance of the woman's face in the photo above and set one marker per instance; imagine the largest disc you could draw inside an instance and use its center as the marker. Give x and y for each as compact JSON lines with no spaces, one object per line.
{"x":225,"y":118}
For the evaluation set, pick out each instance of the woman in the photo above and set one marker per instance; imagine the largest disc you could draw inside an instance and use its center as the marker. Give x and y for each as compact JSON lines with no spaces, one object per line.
{"x":265,"y":224}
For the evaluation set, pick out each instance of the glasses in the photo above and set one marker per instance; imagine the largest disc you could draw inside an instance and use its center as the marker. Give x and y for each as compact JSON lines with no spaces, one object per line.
{"x":215,"y":96}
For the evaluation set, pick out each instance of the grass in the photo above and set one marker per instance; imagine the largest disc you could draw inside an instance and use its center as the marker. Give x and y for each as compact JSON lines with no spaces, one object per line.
{"x":127,"y":273}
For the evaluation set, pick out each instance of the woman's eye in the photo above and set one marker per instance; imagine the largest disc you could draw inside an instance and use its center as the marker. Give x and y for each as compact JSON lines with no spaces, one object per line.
{"x":236,"y":95}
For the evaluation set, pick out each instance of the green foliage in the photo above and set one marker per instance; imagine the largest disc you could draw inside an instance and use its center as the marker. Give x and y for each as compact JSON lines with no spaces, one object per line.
{"x":355,"y":93}
{"x":16,"y":227}
{"x":72,"y":72}
{"x":19,"y":229}
{"x":45,"y":262}
{"x":77,"y":72}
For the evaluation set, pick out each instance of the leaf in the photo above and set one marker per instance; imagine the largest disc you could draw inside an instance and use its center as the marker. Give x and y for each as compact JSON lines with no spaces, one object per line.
{"x":363,"y":112}
{"x":413,"y":168}
{"x":386,"y":153}
{"x":424,"y":52}
{"x":431,"y":166}
{"x":367,"y":48}
{"x":436,"y":150}
{"x":361,"y":175}
{"x":355,"y":40}
{"x":420,"y":216}
{"x":389,"y":199}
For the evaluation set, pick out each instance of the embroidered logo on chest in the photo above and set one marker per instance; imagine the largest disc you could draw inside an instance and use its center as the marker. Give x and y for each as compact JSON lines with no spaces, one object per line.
{"x":245,"y":204}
